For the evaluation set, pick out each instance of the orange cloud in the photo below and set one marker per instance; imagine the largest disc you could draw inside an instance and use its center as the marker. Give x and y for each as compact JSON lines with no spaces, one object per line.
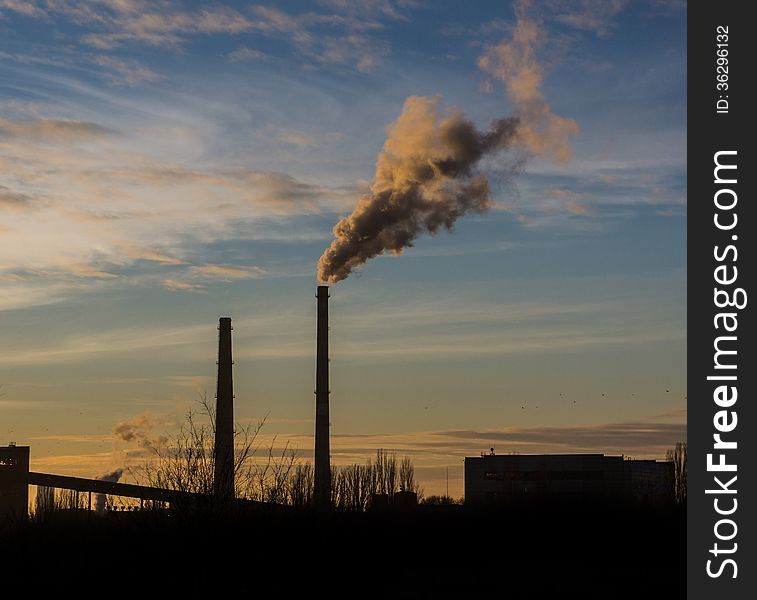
{"x":137,"y":252}
{"x":226,"y":271}
{"x":51,"y":130}
{"x":181,"y":286}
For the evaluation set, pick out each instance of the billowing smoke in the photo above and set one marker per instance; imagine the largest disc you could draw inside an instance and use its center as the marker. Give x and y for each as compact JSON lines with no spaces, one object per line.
{"x":425,"y":180}
{"x":426,"y":174}
{"x":102,"y":499}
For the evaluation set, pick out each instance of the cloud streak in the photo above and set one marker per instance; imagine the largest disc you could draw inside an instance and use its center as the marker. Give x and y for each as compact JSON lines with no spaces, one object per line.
{"x":126,"y":72}
{"x":14,"y":201}
{"x":640,"y":439}
{"x":141,"y":21}
{"x":341,"y":37}
{"x":51,"y":130}
{"x":589,"y":15}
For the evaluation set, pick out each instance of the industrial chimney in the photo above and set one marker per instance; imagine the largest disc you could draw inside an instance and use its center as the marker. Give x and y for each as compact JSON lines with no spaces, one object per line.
{"x":223,"y":452}
{"x":322,"y":483}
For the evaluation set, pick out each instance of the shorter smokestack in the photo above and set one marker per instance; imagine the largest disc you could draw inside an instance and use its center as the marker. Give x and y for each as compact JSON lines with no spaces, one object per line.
{"x":322,"y":476}
{"x":223,"y":476}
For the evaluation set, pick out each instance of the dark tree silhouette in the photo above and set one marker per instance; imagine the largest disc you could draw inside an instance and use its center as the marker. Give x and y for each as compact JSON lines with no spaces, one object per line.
{"x":185,"y":462}
{"x":678,"y":456}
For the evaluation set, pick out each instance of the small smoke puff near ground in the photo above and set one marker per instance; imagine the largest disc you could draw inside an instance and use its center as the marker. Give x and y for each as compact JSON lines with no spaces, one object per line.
{"x":426,"y":174}
{"x":102,"y":499}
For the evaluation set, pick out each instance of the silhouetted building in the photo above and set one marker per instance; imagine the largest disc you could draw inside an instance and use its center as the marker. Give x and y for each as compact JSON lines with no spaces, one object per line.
{"x":14,"y":489}
{"x":398,"y":501}
{"x":404,"y":500}
{"x":223,"y":480}
{"x":322,"y":475}
{"x":379,"y":502}
{"x":649,"y":481}
{"x":505,"y":478}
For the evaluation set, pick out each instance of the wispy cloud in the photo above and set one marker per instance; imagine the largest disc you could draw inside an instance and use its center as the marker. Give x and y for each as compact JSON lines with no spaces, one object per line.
{"x":576,"y":208}
{"x":79,"y":438}
{"x":244,"y":54}
{"x":115,"y":71}
{"x":182,"y":286}
{"x":138,"y":252}
{"x":79,"y":215}
{"x":77,"y":347}
{"x":613,"y":438}
{"x":564,"y":339}
{"x":297,"y":138}
{"x":336,"y":39}
{"x":14,"y":201}
{"x":391,"y":9}
{"x":51,"y":130}
{"x":126,"y":72}
{"x":597,"y":16}
{"x":640,"y":439}
{"x":19,"y":293}
{"x":339,"y":36}
{"x":198,"y":277}
{"x":23,"y":7}
{"x":87,"y":271}
{"x":78,"y":465}
{"x":420,"y":328}
{"x":307,"y":140}
{"x":227,"y":271}
{"x":24,"y":405}
{"x":136,"y":21}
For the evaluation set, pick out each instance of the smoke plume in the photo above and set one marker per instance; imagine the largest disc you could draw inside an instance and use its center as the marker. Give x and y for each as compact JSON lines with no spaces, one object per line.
{"x":426,"y":179}
{"x":101,"y":499}
{"x":137,"y":430}
{"x":515,"y":63}
{"x":426,"y":174}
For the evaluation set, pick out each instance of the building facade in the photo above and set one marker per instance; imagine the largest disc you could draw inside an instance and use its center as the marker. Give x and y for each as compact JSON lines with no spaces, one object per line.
{"x":493,"y":479}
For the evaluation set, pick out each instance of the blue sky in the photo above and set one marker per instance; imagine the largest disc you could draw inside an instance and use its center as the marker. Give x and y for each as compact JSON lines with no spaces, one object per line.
{"x":165,"y":163}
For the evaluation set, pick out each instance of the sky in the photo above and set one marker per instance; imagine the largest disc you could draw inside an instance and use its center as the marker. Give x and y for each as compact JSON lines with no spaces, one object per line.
{"x":165,"y":163}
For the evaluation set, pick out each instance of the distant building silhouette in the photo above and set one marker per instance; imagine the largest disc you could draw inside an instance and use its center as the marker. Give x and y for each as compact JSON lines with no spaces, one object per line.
{"x":14,"y":489}
{"x":505,"y":478}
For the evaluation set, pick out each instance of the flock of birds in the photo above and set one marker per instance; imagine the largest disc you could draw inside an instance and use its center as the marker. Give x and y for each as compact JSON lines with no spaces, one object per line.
{"x":667,"y":391}
{"x":523,"y":407}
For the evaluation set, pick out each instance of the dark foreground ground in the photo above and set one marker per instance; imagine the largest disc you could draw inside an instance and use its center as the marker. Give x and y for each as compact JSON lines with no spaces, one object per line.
{"x":430,"y":552}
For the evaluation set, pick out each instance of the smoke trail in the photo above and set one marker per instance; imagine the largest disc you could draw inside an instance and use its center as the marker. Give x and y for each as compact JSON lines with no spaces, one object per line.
{"x":134,"y":429}
{"x":138,"y":430}
{"x":426,"y":175}
{"x":101,"y":499}
{"x":425,"y":180}
{"x":515,"y":63}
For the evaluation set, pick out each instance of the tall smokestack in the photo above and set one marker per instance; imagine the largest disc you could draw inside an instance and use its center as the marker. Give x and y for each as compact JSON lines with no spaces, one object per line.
{"x":322,"y":483}
{"x":223,"y":453}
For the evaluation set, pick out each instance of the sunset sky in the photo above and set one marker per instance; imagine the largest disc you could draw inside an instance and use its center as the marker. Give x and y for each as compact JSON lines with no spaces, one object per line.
{"x":164,"y":163}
